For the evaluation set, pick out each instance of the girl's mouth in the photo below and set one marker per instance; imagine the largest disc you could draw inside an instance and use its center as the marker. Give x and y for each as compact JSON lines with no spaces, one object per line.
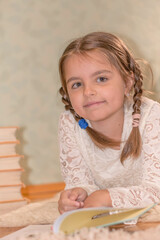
{"x":90,"y":104}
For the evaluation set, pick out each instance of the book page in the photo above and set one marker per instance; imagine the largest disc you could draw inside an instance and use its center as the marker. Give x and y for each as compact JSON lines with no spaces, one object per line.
{"x":87,"y":217}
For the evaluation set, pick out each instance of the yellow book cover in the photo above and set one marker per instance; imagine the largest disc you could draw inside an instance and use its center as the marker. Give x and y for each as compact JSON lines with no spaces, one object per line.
{"x":96,"y":217}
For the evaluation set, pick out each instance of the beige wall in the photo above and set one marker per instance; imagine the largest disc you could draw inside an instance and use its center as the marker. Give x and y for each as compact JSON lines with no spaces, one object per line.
{"x":33,"y":34}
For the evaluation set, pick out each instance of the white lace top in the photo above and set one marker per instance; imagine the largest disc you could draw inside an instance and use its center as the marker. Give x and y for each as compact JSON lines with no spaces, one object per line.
{"x":134,"y":184}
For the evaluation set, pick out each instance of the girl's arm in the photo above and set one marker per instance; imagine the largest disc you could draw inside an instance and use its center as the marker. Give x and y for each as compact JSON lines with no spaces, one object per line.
{"x":73,"y":167}
{"x":78,"y":179}
{"x":99,"y":198}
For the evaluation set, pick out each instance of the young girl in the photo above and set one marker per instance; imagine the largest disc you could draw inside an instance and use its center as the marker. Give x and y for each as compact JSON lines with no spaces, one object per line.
{"x":109,"y":134}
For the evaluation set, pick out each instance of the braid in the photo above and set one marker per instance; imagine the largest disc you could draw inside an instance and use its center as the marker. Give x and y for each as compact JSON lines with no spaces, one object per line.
{"x":134,"y":143}
{"x":67,"y":103}
{"x":137,"y":89}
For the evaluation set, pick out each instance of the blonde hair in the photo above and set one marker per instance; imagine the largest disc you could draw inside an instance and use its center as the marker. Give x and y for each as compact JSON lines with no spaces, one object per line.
{"x":120,"y":57}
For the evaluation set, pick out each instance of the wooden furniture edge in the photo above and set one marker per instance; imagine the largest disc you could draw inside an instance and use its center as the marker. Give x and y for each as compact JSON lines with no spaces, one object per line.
{"x":42,"y":191}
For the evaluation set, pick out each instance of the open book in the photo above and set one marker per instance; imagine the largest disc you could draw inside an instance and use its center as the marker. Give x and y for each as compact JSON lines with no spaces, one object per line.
{"x":97,"y":217}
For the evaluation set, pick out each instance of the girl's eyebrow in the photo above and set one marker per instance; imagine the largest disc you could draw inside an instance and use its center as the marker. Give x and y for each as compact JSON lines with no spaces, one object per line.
{"x":92,"y":75}
{"x":72,"y":79}
{"x":99,"y":72}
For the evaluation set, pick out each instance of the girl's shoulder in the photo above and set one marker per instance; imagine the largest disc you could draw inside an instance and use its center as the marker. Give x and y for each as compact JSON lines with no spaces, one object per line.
{"x":66,"y":118}
{"x":150,"y":109}
{"x":149,"y":105}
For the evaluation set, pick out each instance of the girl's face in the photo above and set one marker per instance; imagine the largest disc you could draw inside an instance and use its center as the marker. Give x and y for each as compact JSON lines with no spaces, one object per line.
{"x":96,"y":89}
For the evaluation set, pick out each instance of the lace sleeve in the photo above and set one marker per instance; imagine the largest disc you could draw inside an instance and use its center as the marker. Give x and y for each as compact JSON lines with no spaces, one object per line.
{"x":149,"y":190}
{"x":73,"y":167}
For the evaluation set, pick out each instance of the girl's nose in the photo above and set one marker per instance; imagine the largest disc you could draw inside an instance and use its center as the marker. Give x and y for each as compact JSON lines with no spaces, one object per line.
{"x":89,"y":90}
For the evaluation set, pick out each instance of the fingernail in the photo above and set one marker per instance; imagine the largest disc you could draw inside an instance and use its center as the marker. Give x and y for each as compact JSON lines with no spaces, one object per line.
{"x":77,"y":204}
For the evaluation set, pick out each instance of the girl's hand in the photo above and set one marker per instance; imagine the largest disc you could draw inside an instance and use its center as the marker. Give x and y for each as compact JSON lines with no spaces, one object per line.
{"x":72,"y":199}
{"x":99,"y":198}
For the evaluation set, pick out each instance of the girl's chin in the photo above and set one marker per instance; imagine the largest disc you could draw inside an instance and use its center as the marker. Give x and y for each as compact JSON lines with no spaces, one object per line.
{"x":96,"y":119}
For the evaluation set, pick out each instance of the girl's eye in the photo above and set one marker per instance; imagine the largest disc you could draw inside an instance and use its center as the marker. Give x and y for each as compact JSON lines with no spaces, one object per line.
{"x":76,"y":85}
{"x":102,"y":79}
